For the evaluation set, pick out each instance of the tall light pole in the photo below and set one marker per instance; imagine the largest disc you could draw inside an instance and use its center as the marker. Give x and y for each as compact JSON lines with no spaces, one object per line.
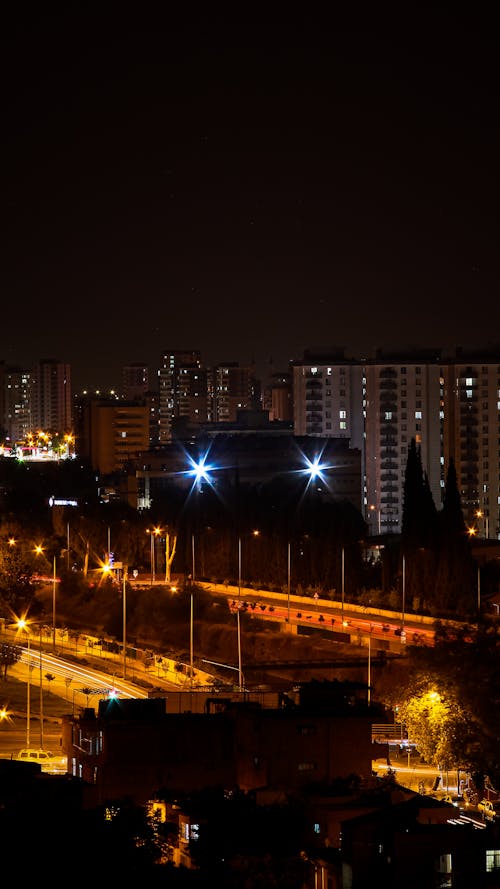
{"x":403,"y":596}
{"x":288,"y":584}
{"x":54,"y":608}
{"x":343,"y":588}
{"x":191,"y":616}
{"x":124,"y":621}
{"x":238,"y":623}
{"x":41,"y":688}
{"x":152,"y":559}
{"x":23,"y":625}
{"x":369,"y":666}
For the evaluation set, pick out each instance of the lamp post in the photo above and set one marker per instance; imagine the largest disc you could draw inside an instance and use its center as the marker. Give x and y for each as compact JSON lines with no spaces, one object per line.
{"x":480,"y":514}
{"x":403,"y":596}
{"x":54,"y":607}
{"x":28,"y":692}
{"x":343,"y":589}
{"x":238,"y":622}
{"x":24,"y":625}
{"x":41,"y":688}
{"x":374,"y":508}
{"x":191,"y":616}
{"x":124,"y":621}
{"x":288,"y":584}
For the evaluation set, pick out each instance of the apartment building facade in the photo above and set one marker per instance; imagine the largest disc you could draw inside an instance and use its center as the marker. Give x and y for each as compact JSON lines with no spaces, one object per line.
{"x":51,"y":399}
{"x":449,"y":404}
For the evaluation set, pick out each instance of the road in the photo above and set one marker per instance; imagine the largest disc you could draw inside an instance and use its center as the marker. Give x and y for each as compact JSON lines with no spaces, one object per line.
{"x":352,"y":624}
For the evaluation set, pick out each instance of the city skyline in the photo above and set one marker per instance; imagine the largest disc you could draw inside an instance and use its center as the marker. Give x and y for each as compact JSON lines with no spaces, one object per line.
{"x":247,"y":189}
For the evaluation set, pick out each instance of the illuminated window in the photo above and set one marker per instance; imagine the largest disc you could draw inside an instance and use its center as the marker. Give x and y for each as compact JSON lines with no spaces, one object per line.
{"x":306,"y":766}
{"x":492,"y":860}
{"x":418,"y":415}
{"x":342,"y":415}
{"x":343,"y":424}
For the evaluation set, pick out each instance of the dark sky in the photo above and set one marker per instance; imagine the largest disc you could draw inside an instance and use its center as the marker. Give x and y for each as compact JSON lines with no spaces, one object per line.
{"x":247,"y":186}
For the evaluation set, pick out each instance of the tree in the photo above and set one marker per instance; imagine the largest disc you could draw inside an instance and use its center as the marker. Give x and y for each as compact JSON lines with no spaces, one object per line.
{"x":419,"y":529}
{"x":456,"y":578}
{"x":9,"y":655}
{"x":49,"y":677}
{"x":450,"y":698}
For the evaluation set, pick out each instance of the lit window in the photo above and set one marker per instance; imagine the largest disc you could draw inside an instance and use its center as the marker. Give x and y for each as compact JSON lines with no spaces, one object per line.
{"x":343,"y":424}
{"x":342,"y":415}
{"x":316,"y":827}
{"x":492,"y":860}
{"x":468,"y":381}
{"x":418,"y":415}
{"x":388,"y":415}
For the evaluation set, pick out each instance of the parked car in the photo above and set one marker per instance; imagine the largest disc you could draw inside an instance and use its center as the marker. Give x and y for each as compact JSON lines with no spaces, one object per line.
{"x":49,"y":762}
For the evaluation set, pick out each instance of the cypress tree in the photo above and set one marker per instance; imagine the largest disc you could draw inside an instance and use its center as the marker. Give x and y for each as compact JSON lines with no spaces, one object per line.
{"x":455,"y":580}
{"x":419,"y":535}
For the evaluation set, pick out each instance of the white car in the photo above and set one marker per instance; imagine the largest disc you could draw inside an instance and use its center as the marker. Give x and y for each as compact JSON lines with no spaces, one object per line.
{"x":48,"y":761}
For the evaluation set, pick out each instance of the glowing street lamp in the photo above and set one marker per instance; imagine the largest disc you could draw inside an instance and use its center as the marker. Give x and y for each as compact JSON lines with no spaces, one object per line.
{"x":24,"y":625}
{"x":373,"y":509}
{"x":481,"y":515}
{"x":153,"y":532}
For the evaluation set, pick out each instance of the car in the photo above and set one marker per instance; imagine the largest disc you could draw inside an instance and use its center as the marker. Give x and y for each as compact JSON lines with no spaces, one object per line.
{"x":48,"y":761}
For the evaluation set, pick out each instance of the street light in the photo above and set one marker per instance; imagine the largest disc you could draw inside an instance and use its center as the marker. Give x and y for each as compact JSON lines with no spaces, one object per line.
{"x":288,"y":584}
{"x":153,"y":532}
{"x":343,"y":588}
{"x":372,"y":509}
{"x":403,"y":596}
{"x":39,"y":551}
{"x":24,"y":625}
{"x":486,"y":529}
{"x":54,"y":607}
{"x":124,"y":621}
{"x":238,"y":622}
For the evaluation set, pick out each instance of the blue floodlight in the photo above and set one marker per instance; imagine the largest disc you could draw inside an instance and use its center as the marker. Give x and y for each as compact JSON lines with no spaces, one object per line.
{"x":199,"y":469}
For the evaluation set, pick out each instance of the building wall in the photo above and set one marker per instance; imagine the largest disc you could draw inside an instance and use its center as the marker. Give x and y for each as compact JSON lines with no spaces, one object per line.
{"x":171,"y":387}
{"x":245,"y":746}
{"x":449,"y":405}
{"x":51,"y":397}
{"x":116,"y":432}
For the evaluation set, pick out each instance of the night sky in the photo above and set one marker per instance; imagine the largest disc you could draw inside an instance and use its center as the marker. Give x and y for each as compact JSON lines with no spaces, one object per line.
{"x":247,"y":185}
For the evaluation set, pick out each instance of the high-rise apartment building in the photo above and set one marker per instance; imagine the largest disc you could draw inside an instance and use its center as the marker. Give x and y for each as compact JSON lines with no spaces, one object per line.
{"x":16,"y":403}
{"x":135,"y":381}
{"x":182,"y":385}
{"x":111,"y":432}
{"x":471,"y":431}
{"x":402,"y":400}
{"x":449,"y":405}
{"x":51,"y":396}
{"x":232,"y":388}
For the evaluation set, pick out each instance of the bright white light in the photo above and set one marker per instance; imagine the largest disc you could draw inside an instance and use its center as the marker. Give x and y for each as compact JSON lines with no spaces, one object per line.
{"x":315,"y":468}
{"x":200,"y":469}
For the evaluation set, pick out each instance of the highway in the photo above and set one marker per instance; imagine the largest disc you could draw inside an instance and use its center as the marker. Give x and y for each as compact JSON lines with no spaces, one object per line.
{"x":347,"y":623}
